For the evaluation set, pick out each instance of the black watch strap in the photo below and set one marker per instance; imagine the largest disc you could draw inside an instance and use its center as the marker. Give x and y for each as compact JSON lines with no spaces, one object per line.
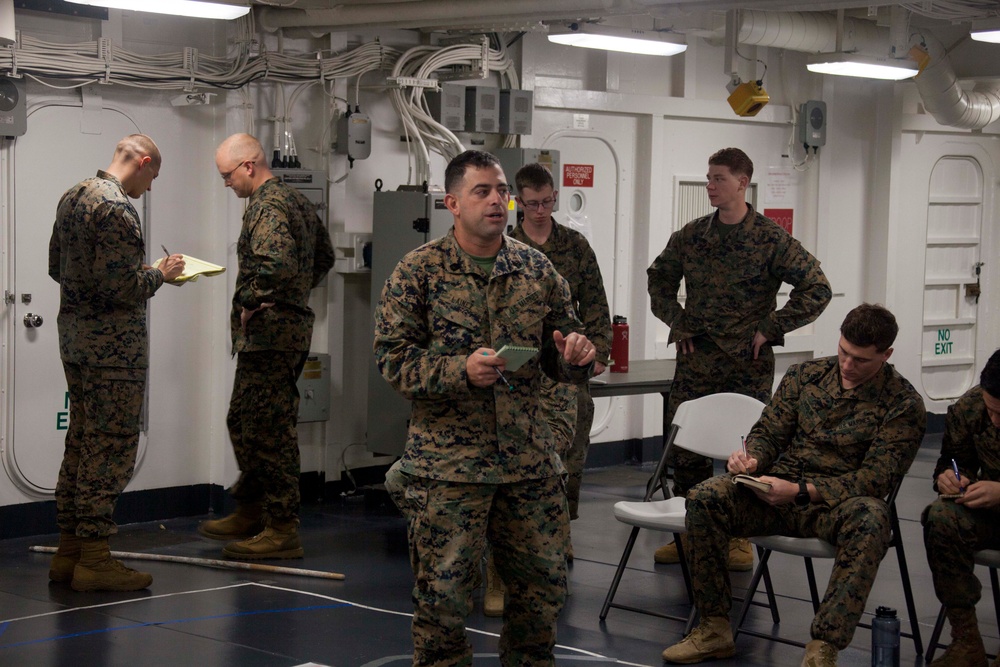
{"x":802,"y":497}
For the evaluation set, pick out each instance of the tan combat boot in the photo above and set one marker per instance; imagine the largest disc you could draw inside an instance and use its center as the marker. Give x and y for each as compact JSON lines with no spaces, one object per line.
{"x":246,"y":521}
{"x":819,"y":654}
{"x":966,"y":648}
{"x":495,"y":590}
{"x":65,"y":558}
{"x":740,"y":555}
{"x":98,"y":571}
{"x":279,"y":539}
{"x":711,"y":640}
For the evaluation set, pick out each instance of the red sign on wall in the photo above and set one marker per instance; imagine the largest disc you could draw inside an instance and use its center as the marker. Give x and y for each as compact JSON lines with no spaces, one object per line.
{"x":782,"y":216}
{"x":578,"y":175}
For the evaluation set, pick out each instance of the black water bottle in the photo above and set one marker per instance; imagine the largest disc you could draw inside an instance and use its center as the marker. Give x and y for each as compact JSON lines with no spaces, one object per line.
{"x":885,"y":638}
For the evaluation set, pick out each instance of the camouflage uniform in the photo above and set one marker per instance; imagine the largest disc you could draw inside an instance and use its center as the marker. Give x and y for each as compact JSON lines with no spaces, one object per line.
{"x":732,"y":285}
{"x":574,"y":259}
{"x":853,"y":445}
{"x":284,"y":251}
{"x":96,"y":255}
{"x":953,"y":532}
{"x":479,"y":462}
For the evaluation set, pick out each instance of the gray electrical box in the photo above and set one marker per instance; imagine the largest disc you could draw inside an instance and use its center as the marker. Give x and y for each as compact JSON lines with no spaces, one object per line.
{"x":482,"y":109}
{"x":314,"y":389}
{"x":13,"y":107}
{"x":354,"y":136}
{"x":404,"y":220}
{"x":512,"y":159}
{"x":812,"y":124}
{"x":515,"y":111}
{"x":447,"y":106}
{"x":311,"y":183}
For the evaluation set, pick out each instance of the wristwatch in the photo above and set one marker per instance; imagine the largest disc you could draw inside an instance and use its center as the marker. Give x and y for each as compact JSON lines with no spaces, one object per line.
{"x":802,"y":497}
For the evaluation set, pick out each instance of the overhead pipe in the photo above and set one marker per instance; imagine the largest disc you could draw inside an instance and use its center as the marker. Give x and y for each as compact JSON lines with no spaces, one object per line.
{"x":942,"y":95}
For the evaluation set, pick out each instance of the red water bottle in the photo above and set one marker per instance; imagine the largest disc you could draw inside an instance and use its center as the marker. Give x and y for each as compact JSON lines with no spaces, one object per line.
{"x":619,"y":345}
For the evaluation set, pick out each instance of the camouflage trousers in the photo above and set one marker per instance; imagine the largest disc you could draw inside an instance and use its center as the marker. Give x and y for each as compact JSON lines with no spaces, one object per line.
{"x":951,"y":534}
{"x":717,"y":510}
{"x":448,"y":525}
{"x":105,"y":415}
{"x":709,"y":370}
{"x":569,"y":410}
{"x":263,"y":412}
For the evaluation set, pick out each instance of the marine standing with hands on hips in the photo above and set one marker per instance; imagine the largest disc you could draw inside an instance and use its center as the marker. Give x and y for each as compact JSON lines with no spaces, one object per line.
{"x":284,"y":252}
{"x":732,"y":262}
{"x":964,"y":518}
{"x":479,"y":462}
{"x":97,"y":254}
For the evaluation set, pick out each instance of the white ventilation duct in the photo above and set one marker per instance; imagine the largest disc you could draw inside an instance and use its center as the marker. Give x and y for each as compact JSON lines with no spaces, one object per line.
{"x":814,"y":32}
{"x":947,"y":101}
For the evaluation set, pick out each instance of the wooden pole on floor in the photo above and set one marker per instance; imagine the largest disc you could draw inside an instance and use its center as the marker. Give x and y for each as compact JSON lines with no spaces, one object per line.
{"x":212,"y":562}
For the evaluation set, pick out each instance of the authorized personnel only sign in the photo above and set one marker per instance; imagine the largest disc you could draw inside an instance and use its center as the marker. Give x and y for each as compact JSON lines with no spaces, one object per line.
{"x":578,"y":175}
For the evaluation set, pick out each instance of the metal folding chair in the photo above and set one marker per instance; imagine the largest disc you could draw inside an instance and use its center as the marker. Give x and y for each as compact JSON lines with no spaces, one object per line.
{"x":711,"y":426}
{"x":989,"y":558}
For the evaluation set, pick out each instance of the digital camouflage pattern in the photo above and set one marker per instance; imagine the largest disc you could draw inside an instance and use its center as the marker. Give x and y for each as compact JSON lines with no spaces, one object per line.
{"x":436,"y":309}
{"x":262,"y":423}
{"x":96,"y":255}
{"x":853,"y":445}
{"x":953,"y":532}
{"x":575,"y":260}
{"x":284,"y":251}
{"x":448,"y":524}
{"x":731,"y":287}
{"x":732,"y":284}
{"x":480,"y":463}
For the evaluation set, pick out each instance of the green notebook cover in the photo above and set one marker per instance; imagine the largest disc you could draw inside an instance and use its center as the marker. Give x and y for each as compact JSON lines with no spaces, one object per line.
{"x":516,"y":355}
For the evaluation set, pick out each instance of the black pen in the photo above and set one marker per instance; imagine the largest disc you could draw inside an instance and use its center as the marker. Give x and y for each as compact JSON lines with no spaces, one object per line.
{"x":509,"y":385}
{"x":165,"y":250}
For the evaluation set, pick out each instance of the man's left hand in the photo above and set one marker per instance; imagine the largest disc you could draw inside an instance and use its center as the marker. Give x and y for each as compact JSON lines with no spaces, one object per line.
{"x":980,"y":495}
{"x":245,"y":314}
{"x":575,"y":348}
{"x":759,"y":341}
{"x":782,"y":491}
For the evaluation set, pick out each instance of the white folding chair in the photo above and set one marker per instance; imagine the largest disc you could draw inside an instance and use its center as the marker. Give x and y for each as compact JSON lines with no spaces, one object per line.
{"x":989,"y":558}
{"x":711,"y":426}
{"x":813,"y":547}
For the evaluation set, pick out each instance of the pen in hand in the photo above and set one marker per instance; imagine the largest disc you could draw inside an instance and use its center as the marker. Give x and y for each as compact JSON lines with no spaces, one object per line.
{"x":502,"y":378}
{"x":165,"y":250}
{"x":958,"y":477}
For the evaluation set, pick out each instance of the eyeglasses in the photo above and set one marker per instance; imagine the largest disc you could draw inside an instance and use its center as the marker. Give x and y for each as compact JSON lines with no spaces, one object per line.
{"x":548,"y":202}
{"x":226,"y":176}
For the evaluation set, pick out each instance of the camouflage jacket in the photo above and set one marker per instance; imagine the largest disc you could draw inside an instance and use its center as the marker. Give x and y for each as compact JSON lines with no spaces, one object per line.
{"x":574,"y":259}
{"x":284,"y":252}
{"x":847,"y":442}
{"x":436,"y":309}
{"x":732,"y":284}
{"x":971,"y":439}
{"x":96,"y":255}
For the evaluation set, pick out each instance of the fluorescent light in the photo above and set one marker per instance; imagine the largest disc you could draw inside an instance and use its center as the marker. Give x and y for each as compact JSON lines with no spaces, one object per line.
{"x":610,"y":38}
{"x":868,"y":67}
{"x":986,"y":31}
{"x":205,"y":10}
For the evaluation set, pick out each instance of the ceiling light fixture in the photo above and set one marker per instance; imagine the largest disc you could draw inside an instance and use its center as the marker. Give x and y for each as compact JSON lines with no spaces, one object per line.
{"x":868,"y":67}
{"x":625,"y":40}
{"x":195,"y":8}
{"x":986,"y":31}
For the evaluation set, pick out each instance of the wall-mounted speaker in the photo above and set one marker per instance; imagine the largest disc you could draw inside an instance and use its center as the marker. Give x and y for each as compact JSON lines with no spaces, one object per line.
{"x":812,"y":124}
{"x":13,"y":113}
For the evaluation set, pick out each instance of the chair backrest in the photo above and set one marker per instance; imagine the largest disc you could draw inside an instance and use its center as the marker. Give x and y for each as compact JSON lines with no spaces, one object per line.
{"x":712,"y":425}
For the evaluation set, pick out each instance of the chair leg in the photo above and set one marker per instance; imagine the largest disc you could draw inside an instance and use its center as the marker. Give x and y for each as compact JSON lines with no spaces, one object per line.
{"x":685,"y":572}
{"x":935,"y":636}
{"x":911,"y":607}
{"x":995,"y":583}
{"x":772,"y":603}
{"x":765,"y":554}
{"x":618,"y":573}
{"x":813,"y":590}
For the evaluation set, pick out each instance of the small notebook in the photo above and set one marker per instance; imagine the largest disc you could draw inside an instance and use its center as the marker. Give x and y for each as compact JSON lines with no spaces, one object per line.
{"x":193,"y":267}
{"x":516,"y":355}
{"x":752,"y":481}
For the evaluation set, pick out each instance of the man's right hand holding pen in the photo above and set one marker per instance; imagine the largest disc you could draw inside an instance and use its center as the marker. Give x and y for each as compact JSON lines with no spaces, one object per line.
{"x":973,"y":494}
{"x":171,"y":266}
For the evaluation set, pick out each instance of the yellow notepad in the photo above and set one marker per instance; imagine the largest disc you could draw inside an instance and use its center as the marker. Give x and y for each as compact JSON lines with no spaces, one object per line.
{"x":193,"y":267}
{"x":516,"y":355}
